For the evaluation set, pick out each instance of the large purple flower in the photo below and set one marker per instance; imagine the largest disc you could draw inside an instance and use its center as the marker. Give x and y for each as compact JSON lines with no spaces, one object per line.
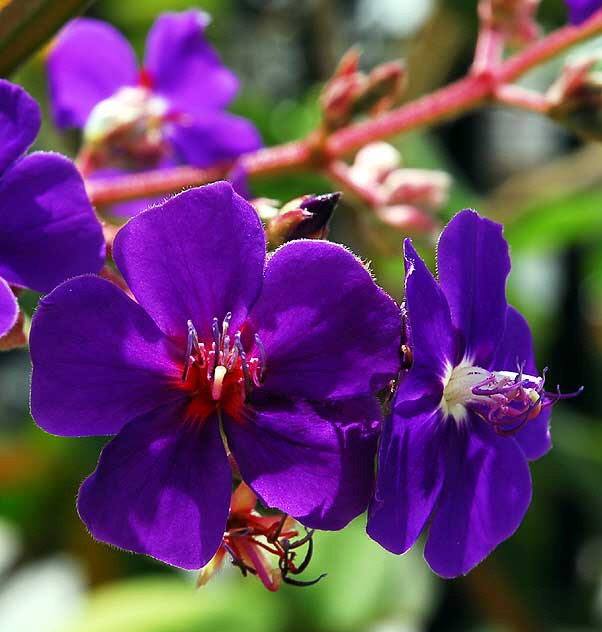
{"x":170,"y":110}
{"x":581,"y":10}
{"x":469,"y":413}
{"x":48,"y":230}
{"x":276,"y":365}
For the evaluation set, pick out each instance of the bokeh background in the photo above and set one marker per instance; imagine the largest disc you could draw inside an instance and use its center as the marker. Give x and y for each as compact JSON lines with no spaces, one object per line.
{"x":542,"y":182}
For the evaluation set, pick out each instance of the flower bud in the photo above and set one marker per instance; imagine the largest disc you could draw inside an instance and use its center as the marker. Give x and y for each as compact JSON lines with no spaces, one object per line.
{"x":406,"y":219}
{"x":386,"y":84}
{"x":16,"y":337}
{"x":575,"y":98}
{"x":302,"y":218}
{"x":421,"y":187}
{"x":374,"y":162}
{"x":350,"y":92}
{"x":514,"y":18}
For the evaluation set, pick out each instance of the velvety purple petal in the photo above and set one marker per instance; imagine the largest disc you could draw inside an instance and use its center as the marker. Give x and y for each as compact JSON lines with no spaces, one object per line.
{"x":213,"y":137}
{"x":516,"y":347}
{"x":328,"y":330}
{"x":197,"y":256}
{"x":313,"y":461}
{"x":239,"y":179}
{"x":48,"y":229}
{"x":9,"y":309}
{"x":99,"y":361}
{"x":162,"y":487}
{"x":19,"y":122}
{"x":486,"y":494}
{"x":88,"y":62}
{"x":411,"y":466}
{"x":431,"y":332}
{"x":182,"y":65}
{"x":473,"y":264}
{"x":581,"y":10}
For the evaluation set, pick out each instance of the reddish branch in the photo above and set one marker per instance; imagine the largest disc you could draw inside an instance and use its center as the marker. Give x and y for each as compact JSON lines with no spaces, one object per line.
{"x":445,"y":103}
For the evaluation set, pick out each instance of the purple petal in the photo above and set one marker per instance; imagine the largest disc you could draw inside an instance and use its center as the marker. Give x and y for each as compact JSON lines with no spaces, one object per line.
{"x":432,"y":338}
{"x":486,"y":494}
{"x":9,"y":308}
{"x":411,"y":466}
{"x":515,"y":348}
{"x":473,"y":264}
{"x":581,"y":10}
{"x":327,"y":328}
{"x":197,"y":256}
{"x":214,"y":137}
{"x":19,"y":123}
{"x":182,"y":65}
{"x":88,"y":62}
{"x":48,"y":229}
{"x":313,"y":461}
{"x":99,"y":361}
{"x":162,"y":487}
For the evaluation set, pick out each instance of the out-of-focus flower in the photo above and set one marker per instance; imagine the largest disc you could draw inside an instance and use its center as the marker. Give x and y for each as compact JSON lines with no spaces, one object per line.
{"x":581,"y":10}
{"x":469,"y":413}
{"x":350,"y":92}
{"x":575,"y":98}
{"x":171,"y":109}
{"x":404,"y":198}
{"x":48,"y":230}
{"x":306,"y":217}
{"x":169,"y":112}
{"x":219,"y":346}
{"x":252,"y":540}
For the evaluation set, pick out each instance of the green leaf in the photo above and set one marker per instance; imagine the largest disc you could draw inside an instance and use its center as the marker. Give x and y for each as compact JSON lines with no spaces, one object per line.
{"x":25,"y":25}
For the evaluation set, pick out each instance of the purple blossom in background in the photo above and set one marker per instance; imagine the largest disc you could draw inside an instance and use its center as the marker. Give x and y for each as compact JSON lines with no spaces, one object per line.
{"x":48,"y":230}
{"x":581,"y":10}
{"x":175,"y":102}
{"x":219,"y":345}
{"x":470,"y":412}
{"x":169,"y":112}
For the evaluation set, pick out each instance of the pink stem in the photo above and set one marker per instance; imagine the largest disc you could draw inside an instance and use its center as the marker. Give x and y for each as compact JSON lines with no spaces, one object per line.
{"x":445,"y":103}
{"x":520,"y":97}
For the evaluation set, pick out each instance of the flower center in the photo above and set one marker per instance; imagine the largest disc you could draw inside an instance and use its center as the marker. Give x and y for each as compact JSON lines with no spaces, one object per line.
{"x":221,"y":374}
{"x":128,"y":127}
{"x":504,"y":399}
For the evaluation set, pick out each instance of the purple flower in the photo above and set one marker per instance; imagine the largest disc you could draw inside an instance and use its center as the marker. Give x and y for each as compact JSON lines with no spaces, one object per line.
{"x":581,"y":10}
{"x":278,"y":362}
{"x":469,"y":413}
{"x":48,"y":230}
{"x":171,"y":111}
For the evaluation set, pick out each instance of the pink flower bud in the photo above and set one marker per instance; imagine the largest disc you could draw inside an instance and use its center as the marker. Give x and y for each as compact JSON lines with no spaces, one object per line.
{"x":420,"y":187}
{"x":406,"y":219}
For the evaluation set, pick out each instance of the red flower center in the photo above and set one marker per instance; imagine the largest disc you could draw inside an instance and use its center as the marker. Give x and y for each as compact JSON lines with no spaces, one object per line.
{"x":221,"y":374}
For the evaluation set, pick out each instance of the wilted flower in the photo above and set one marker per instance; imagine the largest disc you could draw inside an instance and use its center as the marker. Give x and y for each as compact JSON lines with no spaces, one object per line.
{"x":48,"y":230}
{"x":469,"y":413}
{"x":252,"y":541}
{"x":581,"y":10}
{"x":277,"y":366}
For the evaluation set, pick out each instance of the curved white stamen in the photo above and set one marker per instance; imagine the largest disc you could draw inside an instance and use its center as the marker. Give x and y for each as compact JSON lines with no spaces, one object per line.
{"x":218,"y":381}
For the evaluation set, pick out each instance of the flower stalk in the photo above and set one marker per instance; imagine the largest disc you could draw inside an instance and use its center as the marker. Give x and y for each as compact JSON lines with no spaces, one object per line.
{"x":314,"y":154}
